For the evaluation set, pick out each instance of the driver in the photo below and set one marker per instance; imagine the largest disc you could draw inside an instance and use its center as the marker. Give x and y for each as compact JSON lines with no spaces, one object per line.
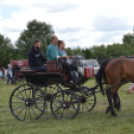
{"x":53,"y":53}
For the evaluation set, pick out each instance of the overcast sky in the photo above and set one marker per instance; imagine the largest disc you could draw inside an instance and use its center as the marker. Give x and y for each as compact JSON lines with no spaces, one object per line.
{"x":81,"y":23}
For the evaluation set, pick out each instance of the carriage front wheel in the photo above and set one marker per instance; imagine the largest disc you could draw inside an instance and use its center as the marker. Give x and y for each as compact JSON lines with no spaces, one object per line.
{"x":87,"y":99}
{"x":64,"y":105}
{"x":27,"y":102}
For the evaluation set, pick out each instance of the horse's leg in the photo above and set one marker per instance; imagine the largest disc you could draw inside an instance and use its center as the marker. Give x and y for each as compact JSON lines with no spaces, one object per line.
{"x":112,"y":93}
{"x":116,"y":99}
{"x":110,"y":108}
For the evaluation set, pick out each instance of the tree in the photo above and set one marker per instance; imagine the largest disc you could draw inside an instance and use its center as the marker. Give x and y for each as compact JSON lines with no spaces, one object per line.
{"x":128,"y":39}
{"x":6,"y":51}
{"x":17,"y":55}
{"x":77,"y":51}
{"x":35,"y":30}
{"x":87,"y":53}
{"x":99,"y":52}
{"x":69,"y":51}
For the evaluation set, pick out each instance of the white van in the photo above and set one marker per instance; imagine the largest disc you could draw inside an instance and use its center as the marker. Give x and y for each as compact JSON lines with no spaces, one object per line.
{"x":89,"y":63}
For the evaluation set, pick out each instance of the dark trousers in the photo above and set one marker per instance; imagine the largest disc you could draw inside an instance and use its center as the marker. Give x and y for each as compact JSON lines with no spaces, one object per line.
{"x":9,"y":78}
{"x":39,"y":68}
{"x":68,"y":67}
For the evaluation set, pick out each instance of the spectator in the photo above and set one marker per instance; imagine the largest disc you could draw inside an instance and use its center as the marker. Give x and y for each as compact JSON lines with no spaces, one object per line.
{"x":4,"y":73}
{"x":1,"y":74}
{"x":9,"y":73}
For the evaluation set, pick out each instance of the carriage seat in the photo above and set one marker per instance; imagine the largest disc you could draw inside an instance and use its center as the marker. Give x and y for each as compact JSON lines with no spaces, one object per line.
{"x":53,"y":66}
{"x":36,"y":72}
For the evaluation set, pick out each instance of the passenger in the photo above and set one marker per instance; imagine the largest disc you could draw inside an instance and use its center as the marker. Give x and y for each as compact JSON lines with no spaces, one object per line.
{"x":35,"y":58}
{"x":61,"y":46}
{"x":53,"y":53}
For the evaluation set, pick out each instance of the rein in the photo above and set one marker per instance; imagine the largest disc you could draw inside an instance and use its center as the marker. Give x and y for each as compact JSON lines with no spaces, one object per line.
{"x":116,"y":84}
{"x":111,"y":86}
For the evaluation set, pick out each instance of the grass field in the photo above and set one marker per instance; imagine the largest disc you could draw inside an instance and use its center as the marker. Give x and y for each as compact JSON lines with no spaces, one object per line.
{"x":93,"y":122}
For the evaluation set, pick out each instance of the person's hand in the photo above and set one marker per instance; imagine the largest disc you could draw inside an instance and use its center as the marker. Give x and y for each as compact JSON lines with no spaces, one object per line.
{"x":66,"y":57}
{"x":71,"y":56}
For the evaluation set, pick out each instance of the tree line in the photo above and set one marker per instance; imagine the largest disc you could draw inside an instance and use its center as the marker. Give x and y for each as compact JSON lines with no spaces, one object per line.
{"x":43,"y":31}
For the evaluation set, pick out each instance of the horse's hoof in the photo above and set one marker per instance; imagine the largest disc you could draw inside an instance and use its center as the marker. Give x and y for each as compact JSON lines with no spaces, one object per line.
{"x":107,"y":110}
{"x":115,"y":115}
{"x":118,"y":108}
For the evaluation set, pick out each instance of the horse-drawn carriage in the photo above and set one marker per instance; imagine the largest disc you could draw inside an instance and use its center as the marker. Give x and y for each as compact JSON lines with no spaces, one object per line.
{"x":51,"y":90}
{"x":43,"y":91}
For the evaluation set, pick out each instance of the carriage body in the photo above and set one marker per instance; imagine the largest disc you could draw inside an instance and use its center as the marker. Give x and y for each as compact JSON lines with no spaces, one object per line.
{"x":45,"y":89}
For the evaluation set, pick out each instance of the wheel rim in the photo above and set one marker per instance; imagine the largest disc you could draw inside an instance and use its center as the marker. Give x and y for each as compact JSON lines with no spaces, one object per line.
{"x":49,"y":91}
{"x":26,"y":102}
{"x":87,"y":100}
{"x":64,"y":105}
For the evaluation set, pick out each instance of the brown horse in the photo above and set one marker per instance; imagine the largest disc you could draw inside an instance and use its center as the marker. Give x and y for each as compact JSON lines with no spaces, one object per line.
{"x":115,"y":71}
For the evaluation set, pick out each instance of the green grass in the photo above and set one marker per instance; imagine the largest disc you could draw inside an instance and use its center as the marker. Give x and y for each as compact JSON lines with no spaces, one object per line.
{"x":93,"y":122}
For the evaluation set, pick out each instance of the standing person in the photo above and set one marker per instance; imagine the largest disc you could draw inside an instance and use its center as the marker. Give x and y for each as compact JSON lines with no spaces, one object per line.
{"x":4,"y":73}
{"x":9,"y":73}
{"x":35,"y":58}
{"x":53,"y":53}
{"x":1,"y":74}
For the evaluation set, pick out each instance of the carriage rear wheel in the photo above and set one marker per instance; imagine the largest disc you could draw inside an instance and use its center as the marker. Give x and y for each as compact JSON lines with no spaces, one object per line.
{"x":64,"y":104}
{"x":27,"y":102}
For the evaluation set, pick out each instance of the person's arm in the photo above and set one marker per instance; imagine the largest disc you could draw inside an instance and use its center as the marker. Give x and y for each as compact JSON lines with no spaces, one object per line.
{"x":43,"y":58}
{"x":71,"y":56}
{"x":63,"y":57}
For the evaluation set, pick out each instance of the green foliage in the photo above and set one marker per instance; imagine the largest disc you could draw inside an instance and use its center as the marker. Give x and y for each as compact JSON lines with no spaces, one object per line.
{"x":74,"y":52}
{"x":35,"y":30}
{"x":116,"y":49}
{"x":6,"y":51}
{"x":128,"y":38}
{"x":69,"y":51}
{"x":87,"y":53}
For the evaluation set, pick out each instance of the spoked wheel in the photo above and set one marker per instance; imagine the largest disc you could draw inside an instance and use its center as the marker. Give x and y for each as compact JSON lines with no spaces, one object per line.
{"x":87,"y":99}
{"x":64,"y":105}
{"x":27,"y":102}
{"x":49,"y":91}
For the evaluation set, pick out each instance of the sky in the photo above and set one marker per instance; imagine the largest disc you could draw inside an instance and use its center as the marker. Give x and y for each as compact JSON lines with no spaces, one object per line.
{"x":82,"y":23}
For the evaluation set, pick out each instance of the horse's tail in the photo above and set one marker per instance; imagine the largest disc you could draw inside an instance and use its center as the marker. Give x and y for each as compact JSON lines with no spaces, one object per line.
{"x":101,"y":75}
